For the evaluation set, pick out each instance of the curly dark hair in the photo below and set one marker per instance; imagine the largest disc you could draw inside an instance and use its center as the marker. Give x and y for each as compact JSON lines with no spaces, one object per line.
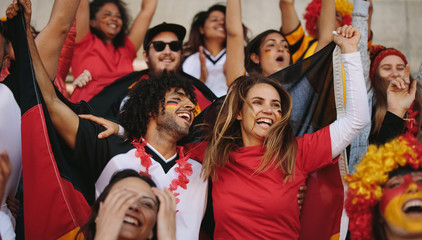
{"x":254,"y":47}
{"x":146,"y":100}
{"x":95,"y":6}
{"x":89,"y":229}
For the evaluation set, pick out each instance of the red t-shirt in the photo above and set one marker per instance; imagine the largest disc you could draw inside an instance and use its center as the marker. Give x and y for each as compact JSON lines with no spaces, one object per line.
{"x":103,"y":61}
{"x":248,"y":205}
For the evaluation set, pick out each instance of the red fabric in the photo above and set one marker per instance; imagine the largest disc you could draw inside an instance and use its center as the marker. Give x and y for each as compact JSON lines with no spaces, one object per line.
{"x":100,"y":60}
{"x":3,"y":74}
{"x":52,"y":206}
{"x":248,"y":205}
{"x":202,"y":101}
{"x":65,"y":61}
{"x":323,"y":200}
{"x":95,"y":86}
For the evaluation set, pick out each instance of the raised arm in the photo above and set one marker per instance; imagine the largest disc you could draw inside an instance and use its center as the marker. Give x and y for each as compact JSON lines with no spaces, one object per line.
{"x":345,"y":129}
{"x":235,"y":66}
{"x":360,"y":21}
{"x":141,"y":23}
{"x":64,"y":119}
{"x":82,"y":20}
{"x":51,"y":39}
{"x":289,"y":18}
{"x":326,"y":23}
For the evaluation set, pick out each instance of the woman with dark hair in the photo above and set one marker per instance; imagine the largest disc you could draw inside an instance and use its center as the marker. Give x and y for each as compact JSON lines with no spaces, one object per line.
{"x":387,"y":65}
{"x":266,"y":54}
{"x":257,"y":164}
{"x":206,"y":48}
{"x":131,"y":207}
{"x":104,"y":42}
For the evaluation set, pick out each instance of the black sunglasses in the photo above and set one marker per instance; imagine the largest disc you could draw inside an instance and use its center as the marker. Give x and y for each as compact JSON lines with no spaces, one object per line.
{"x":160,"y":45}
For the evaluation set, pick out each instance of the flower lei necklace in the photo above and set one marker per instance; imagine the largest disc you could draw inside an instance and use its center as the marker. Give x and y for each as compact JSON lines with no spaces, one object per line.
{"x":411,"y":123}
{"x":184,"y":168}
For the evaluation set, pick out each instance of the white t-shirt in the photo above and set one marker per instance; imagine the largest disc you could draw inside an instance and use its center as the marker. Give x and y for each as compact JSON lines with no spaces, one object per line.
{"x":216,"y":80}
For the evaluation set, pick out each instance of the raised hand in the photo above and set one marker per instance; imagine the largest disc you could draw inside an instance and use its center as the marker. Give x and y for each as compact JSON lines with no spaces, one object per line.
{"x":112,"y":212}
{"x":13,"y":10}
{"x":203,"y":61}
{"x":83,"y":79}
{"x":347,"y":37}
{"x":166,"y":219}
{"x":401,"y":94}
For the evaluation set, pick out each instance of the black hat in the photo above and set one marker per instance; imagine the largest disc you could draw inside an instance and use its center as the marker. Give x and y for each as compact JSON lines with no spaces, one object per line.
{"x":179,"y":30}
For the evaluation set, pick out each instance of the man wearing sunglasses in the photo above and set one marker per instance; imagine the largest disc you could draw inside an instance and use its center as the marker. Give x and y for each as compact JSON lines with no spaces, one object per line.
{"x":162,"y":52}
{"x":163,"y":48}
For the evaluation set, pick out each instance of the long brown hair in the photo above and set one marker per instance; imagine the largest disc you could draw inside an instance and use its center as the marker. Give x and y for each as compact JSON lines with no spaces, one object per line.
{"x":380,"y":103}
{"x":281,"y":145}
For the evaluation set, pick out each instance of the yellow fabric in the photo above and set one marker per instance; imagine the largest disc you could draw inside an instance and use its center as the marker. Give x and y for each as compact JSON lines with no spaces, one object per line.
{"x":71,"y":235}
{"x":306,"y":49}
{"x":335,"y":236}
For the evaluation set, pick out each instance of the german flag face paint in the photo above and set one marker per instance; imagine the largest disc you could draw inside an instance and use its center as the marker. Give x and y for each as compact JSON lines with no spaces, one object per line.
{"x":171,"y":104}
{"x":267,"y":51}
{"x":401,"y":203}
{"x":279,"y":114}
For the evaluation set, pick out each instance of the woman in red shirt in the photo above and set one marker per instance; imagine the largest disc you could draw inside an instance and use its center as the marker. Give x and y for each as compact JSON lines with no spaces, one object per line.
{"x":104,"y":44}
{"x":257,"y":164}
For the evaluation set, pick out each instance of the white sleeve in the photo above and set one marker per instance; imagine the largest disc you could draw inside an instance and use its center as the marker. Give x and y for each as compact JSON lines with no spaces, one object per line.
{"x":345,"y":129}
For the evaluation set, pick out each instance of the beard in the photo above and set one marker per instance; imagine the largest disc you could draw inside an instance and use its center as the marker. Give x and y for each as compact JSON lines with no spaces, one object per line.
{"x":166,"y":123}
{"x":155,"y":72}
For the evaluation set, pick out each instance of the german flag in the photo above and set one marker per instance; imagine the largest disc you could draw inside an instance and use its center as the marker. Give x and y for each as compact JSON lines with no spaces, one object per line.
{"x":54,"y":203}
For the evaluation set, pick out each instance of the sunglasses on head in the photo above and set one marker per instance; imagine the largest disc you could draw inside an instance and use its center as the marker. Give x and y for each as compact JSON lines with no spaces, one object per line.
{"x":160,"y":45}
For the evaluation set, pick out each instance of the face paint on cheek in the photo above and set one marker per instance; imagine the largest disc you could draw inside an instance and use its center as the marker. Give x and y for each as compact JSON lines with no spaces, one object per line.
{"x":171,"y":105}
{"x":394,"y":200}
{"x":267,"y":51}
{"x":280,"y":114}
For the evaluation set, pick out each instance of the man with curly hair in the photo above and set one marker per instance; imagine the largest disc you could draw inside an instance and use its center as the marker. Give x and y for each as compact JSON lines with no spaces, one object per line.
{"x":153,"y":126}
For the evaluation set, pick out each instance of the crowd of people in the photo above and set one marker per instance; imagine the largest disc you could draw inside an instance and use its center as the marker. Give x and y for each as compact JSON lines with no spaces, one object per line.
{"x":202,"y":143}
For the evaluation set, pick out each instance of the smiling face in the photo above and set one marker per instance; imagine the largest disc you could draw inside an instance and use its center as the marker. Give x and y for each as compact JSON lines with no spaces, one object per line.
{"x":401,"y":205}
{"x":167,"y":59}
{"x":178,"y":114}
{"x":141,"y":216}
{"x":274,"y":54}
{"x":260,"y":111}
{"x":108,"y":20}
{"x":391,"y":67}
{"x":214,"y":26}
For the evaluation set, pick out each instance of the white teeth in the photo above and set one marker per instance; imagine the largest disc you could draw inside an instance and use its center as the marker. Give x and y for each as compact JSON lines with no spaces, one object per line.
{"x":131,"y":220}
{"x":413,"y":203}
{"x":184,"y":115}
{"x":265,"y":120}
{"x":113,"y":25}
